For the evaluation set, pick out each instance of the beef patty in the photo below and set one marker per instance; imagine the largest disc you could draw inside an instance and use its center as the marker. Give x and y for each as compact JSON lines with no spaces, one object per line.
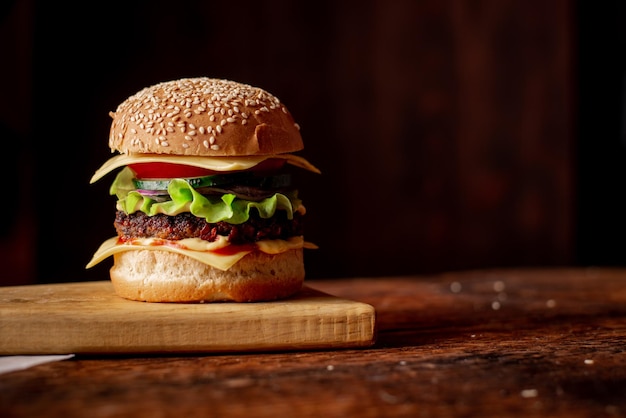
{"x":186,"y":225}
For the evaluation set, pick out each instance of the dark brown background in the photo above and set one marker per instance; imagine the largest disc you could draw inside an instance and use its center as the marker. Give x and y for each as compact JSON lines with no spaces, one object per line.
{"x":451,"y":134}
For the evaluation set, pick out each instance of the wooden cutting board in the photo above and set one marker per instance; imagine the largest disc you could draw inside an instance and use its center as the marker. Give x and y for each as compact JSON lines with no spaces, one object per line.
{"x":89,"y":318}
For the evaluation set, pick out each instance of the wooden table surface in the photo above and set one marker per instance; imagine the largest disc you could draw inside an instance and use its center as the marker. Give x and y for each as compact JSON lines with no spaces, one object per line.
{"x":493,"y":343}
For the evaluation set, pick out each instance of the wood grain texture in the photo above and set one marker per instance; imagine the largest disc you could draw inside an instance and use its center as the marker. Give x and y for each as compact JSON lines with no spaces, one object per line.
{"x":554,"y":345}
{"x":90,"y":318}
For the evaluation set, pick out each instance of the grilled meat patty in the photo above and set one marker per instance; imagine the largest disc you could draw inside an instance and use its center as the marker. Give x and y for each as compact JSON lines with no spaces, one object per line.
{"x":186,"y":225}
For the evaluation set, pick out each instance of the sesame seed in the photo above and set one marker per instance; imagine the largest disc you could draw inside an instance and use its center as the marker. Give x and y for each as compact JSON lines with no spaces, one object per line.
{"x":218,"y":128}
{"x":215,"y":147}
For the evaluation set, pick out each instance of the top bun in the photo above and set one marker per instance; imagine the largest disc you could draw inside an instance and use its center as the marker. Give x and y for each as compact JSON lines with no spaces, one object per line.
{"x":203,"y":117}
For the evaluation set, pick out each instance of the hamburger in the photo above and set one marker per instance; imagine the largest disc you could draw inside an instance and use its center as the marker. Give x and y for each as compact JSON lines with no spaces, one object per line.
{"x":206,"y":210}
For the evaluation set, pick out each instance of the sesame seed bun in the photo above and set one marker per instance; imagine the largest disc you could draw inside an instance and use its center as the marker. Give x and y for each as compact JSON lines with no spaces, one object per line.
{"x":203,"y":117}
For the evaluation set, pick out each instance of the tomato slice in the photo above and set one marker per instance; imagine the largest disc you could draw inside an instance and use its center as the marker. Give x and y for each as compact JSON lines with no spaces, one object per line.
{"x":169,"y":170}
{"x":268,"y":166}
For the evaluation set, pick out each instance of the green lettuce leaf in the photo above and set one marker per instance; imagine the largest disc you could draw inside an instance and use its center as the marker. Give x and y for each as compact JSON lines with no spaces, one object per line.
{"x":185,"y":198}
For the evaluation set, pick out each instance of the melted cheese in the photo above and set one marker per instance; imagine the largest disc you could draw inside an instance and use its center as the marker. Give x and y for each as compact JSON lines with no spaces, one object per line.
{"x":211,"y":163}
{"x":197,"y":249}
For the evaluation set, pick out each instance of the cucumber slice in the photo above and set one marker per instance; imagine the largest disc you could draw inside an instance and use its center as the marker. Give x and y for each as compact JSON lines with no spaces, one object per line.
{"x":151,"y":184}
{"x":195,"y":182}
{"x":249,"y":179}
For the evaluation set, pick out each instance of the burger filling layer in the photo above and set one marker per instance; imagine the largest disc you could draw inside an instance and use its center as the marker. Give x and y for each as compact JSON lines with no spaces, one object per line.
{"x":243,"y":211}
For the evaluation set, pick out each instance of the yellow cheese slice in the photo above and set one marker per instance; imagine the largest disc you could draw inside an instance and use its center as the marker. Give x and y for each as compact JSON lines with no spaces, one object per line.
{"x":197,"y":249}
{"x":211,"y":163}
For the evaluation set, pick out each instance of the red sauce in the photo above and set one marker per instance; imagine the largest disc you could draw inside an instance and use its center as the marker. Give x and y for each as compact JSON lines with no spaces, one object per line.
{"x":233,"y":249}
{"x":228,"y":250}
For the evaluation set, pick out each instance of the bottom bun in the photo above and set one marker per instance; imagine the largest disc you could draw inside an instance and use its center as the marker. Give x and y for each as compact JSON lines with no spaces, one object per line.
{"x":162,"y":276}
